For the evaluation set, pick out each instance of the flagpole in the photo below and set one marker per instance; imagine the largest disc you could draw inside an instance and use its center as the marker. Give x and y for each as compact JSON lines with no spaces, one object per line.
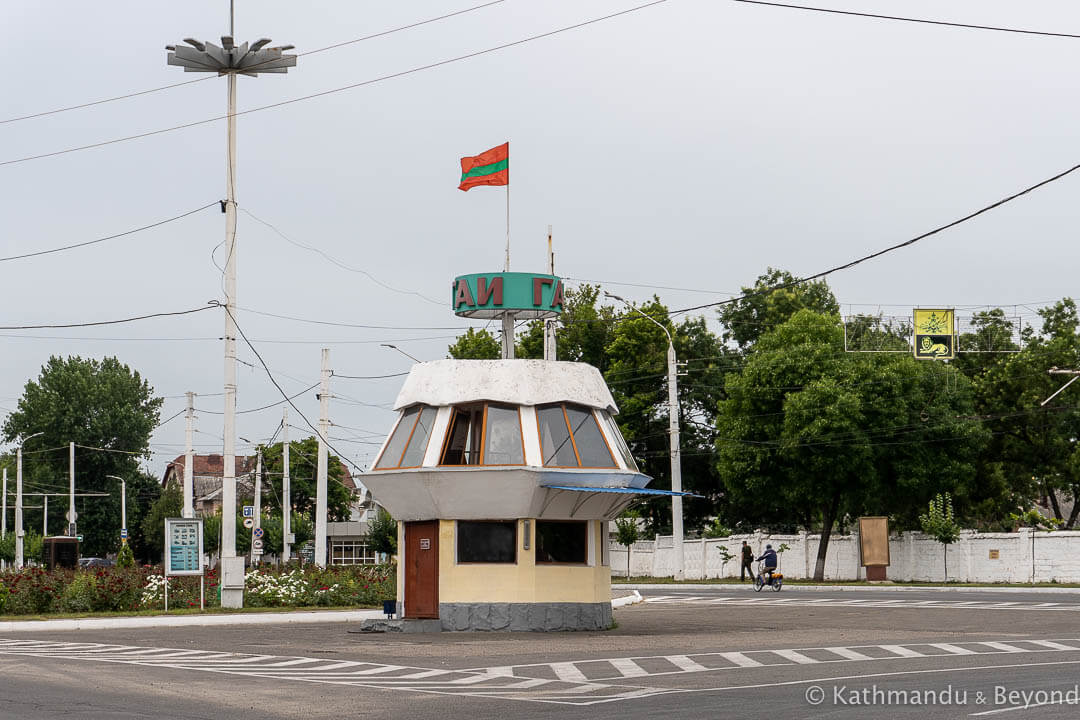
{"x":507,"y":268}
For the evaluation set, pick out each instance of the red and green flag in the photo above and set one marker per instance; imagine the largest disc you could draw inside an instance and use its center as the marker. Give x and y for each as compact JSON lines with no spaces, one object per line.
{"x":488,"y":168}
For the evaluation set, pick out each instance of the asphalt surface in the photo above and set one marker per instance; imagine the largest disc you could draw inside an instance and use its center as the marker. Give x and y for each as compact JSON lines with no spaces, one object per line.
{"x":720,"y":652}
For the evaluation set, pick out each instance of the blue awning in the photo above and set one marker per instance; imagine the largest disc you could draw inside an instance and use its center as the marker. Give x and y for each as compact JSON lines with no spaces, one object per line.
{"x":623,"y":490}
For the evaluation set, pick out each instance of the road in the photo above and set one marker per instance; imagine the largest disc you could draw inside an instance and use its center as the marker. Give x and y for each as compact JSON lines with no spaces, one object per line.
{"x":711,"y":653}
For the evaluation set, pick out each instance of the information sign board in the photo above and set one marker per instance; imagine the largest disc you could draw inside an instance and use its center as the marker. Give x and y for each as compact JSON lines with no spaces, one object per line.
{"x":249,"y":511}
{"x":935,"y":333}
{"x":183,"y":546}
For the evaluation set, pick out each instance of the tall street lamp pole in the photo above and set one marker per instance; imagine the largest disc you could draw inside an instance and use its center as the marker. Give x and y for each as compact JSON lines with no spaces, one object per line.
{"x":123,"y":508}
{"x":673,"y":435}
{"x":229,"y":60}
{"x":19,"y":531}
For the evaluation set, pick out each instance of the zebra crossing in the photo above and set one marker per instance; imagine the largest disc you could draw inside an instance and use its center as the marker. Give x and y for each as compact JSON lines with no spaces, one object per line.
{"x":567,"y":687}
{"x":616,"y":669}
{"x":893,"y":603}
{"x":566,"y":682}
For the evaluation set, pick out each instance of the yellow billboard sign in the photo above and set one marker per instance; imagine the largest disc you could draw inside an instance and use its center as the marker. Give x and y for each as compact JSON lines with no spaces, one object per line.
{"x":935,"y":334}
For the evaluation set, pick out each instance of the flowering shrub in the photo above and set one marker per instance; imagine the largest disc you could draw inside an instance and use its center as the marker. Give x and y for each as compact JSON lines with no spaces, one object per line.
{"x":3,"y":597}
{"x":337,"y":585}
{"x":32,"y":591}
{"x":103,"y":589}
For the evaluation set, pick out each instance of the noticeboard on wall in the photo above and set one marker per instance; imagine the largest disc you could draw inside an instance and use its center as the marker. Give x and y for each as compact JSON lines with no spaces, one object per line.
{"x":183,"y":546}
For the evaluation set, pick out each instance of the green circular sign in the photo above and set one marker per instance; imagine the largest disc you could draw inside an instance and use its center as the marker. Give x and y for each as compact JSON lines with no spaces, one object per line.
{"x":496,"y":295}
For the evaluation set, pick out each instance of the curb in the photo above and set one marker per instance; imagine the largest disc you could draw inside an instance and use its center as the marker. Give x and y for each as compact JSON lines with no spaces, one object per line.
{"x":731,"y":587}
{"x":157,"y":621}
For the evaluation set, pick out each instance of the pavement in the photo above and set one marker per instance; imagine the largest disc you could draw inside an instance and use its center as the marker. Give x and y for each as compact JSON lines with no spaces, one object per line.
{"x":700,"y":652}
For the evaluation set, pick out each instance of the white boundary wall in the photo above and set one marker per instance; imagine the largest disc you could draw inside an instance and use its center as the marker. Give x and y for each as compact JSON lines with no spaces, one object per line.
{"x":1053,"y":556}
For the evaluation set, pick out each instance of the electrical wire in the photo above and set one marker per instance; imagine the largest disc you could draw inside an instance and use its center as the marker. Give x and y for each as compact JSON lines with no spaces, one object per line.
{"x":109,"y":237}
{"x":363,"y":83}
{"x":265,"y":407}
{"x":107,"y":322}
{"x":209,"y":77}
{"x":908,"y":19}
{"x":349,"y":325}
{"x":369,"y":377}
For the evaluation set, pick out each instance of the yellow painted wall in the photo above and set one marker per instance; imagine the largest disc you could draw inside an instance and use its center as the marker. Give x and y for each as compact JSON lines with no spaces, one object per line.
{"x":521,"y":582}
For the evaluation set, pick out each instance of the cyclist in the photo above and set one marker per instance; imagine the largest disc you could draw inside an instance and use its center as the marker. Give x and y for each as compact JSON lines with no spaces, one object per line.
{"x":769,"y":558}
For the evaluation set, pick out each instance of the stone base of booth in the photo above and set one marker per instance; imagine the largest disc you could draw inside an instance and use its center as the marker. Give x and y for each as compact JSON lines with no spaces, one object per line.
{"x":525,"y":617}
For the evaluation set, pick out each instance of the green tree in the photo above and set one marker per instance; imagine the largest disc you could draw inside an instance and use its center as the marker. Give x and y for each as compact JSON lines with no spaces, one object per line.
{"x":476,"y":345}
{"x":109,"y":411}
{"x":303,"y":464}
{"x":765,"y":308}
{"x":169,"y":505}
{"x":626,"y":533}
{"x":809,"y":434}
{"x":939,"y":524}
{"x":125,"y":558}
{"x":382,"y":533}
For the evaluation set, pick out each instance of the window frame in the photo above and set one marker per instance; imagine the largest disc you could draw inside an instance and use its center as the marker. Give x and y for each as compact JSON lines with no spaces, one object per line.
{"x":405,"y":447}
{"x":573,"y":441}
{"x":514,"y":544}
{"x":482,"y":451}
{"x":585,"y":551}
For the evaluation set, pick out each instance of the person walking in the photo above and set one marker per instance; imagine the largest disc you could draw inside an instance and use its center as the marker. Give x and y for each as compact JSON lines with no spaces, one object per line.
{"x":747,"y":559}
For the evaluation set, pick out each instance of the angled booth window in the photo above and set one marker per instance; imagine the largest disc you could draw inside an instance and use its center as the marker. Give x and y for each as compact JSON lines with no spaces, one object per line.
{"x":571,"y":437}
{"x":410,"y":438}
{"x":485,"y":434}
{"x":620,"y":441}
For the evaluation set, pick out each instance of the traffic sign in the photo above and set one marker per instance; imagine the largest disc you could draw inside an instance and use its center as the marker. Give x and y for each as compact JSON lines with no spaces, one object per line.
{"x":249,"y":511}
{"x":257,"y":532}
{"x":257,"y":544}
{"x":249,"y":523}
{"x":123,"y":533}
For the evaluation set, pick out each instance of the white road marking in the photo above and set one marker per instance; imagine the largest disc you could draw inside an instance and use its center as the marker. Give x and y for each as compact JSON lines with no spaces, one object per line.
{"x":952,"y":649}
{"x":899,"y":603}
{"x":901,"y":651}
{"x":628,"y":667}
{"x":1004,"y":647}
{"x":795,"y":657}
{"x":848,"y":653}
{"x":685,"y":664}
{"x":1052,"y":645}
{"x":568,"y":671}
{"x":739,"y":659}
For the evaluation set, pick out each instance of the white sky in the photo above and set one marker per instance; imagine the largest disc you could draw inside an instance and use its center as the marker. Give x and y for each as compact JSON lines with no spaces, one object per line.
{"x":691,"y":144}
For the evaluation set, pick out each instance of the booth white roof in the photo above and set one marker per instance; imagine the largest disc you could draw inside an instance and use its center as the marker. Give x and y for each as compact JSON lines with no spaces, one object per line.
{"x":515,"y":382}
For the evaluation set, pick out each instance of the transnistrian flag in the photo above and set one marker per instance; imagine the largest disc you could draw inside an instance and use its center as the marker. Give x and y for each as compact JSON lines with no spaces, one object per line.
{"x":488,"y":168}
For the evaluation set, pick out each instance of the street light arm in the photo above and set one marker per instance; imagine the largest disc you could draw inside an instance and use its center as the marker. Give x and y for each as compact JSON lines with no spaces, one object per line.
{"x":643,"y":314}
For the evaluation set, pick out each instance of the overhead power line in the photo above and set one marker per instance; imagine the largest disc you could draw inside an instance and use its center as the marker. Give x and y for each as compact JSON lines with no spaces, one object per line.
{"x":889,"y":249}
{"x":923,"y":21}
{"x":108,"y":322}
{"x":363,"y":83}
{"x":202,"y":79}
{"x":111,"y":237}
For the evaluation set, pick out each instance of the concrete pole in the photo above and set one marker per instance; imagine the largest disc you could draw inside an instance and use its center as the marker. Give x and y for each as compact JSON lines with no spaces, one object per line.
{"x":232,"y":567}
{"x":189,"y":460}
{"x":508,"y":336}
{"x":18,"y":509}
{"x":3,"y":518}
{"x":320,"y":487}
{"x":286,"y":491}
{"x":258,"y":504}
{"x":123,"y":507}
{"x":676,"y":462}
{"x":72,"y":515}
{"x":45,"y":516}
{"x":550,"y":352}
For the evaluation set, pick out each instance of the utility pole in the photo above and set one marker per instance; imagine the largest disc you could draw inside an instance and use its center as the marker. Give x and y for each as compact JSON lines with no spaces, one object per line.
{"x":320,"y":486}
{"x":3,"y":518}
{"x":18,"y":508}
{"x":228,"y":60}
{"x":257,"y":503}
{"x":72,"y":515}
{"x":673,"y":435}
{"x":549,"y":325}
{"x":286,"y":494}
{"x":45,"y":518}
{"x":123,"y":508}
{"x":189,"y":459}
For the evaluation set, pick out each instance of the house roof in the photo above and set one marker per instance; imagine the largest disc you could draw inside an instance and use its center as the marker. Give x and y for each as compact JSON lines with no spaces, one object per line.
{"x":208,"y":468}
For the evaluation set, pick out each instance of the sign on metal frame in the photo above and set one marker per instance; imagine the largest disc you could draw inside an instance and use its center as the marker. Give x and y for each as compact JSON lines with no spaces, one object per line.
{"x":183,"y":546}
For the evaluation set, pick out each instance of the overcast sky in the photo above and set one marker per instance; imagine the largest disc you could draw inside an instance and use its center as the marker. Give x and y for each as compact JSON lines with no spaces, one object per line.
{"x":691,"y":144}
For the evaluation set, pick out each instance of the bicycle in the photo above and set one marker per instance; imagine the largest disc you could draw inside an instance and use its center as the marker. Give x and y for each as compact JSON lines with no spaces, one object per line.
{"x":775,"y":581}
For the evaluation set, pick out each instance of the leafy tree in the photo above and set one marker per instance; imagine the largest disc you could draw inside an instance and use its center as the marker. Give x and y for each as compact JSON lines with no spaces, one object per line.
{"x":109,"y":411}
{"x":811,"y":434}
{"x":939,"y":524}
{"x":303,"y":465}
{"x":169,"y":505}
{"x":626,"y":533}
{"x":764,"y":308}
{"x":582,"y":332}
{"x":382,"y":533}
{"x":125,"y":558}
{"x":476,"y":345}
{"x":31,"y":546}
